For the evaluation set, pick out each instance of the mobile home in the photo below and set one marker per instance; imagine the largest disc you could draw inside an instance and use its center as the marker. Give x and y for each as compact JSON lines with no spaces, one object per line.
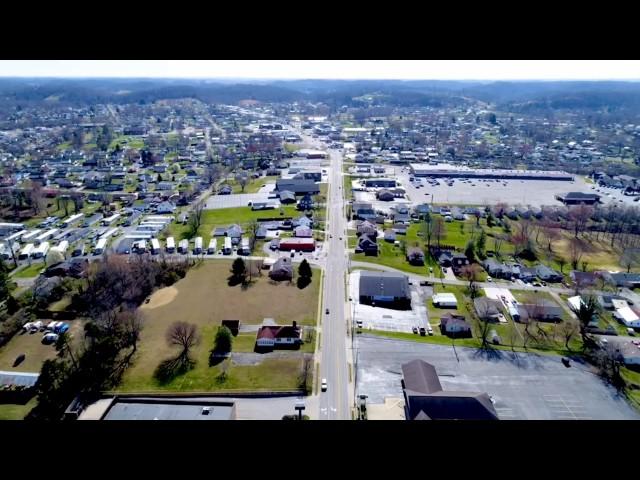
{"x":244,"y":246}
{"x":40,"y":251}
{"x":29,"y":237}
{"x":140,"y":246}
{"x":72,"y":219}
{"x":183,"y":246}
{"x":171,"y":245}
{"x":100,"y":246}
{"x":109,"y":220}
{"x":213,"y":246}
{"x":62,"y":247}
{"x":155,"y":246}
{"x":197,"y":247}
{"x":26,"y":251}
{"x":109,"y":233}
{"x":227,"y":246}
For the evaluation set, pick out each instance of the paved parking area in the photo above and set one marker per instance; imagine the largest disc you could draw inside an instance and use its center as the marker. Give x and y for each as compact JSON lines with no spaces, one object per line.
{"x":377,"y":318}
{"x":524,"y":386}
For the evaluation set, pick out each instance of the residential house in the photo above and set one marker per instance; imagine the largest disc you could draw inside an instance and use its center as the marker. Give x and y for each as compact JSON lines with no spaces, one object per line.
{"x":225,"y":190}
{"x":544,"y":310}
{"x":279,"y":336}
{"x":365,"y":227}
{"x":584,"y":279}
{"x":548,"y":274}
{"x":387,"y":289}
{"x":305,"y":203}
{"x":287,"y":197}
{"x":415,"y":256}
{"x":455,"y":326}
{"x":282,"y":269}
{"x":425,"y":399}
{"x":165,"y":207}
{"x":367,"y":245}
{"x":303,"y":231}
{"x":488,"y":309}
{"x":627,"y":280}
{"x":298,"y":186}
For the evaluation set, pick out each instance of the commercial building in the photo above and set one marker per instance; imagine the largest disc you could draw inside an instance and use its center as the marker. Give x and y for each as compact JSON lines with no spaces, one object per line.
{"x":452,"y":171}
{"x":385,"y":289}
{"x":578,"y":198}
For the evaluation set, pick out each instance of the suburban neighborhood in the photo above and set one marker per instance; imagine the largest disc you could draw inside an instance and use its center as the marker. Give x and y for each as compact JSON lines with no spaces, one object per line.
{"x":352,"y":256}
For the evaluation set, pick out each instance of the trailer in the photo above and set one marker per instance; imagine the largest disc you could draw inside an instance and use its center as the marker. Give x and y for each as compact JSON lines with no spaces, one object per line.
{"x":72,"y":219}
{"x":6,"y":252}
{"x":244,"y":246}
{"x":48,"y":235}
{"x":92,"y":220}
{"x":197,"y":246}
{"x":26,"y":251}
{"x":140,"y":246}
{"x":100,"y":246}
{"x":15,"y":237}
{"x":183,"y":246}
{"x":155,"y":246}
{"x":159,"y":218}
{"x":41,"y":250}
{"x":148,"y":228}
{"x":6,"y":228}
{"x":171,"y":245}
{"x":228,"y":248}
{"x":62,"y":247}
{"x":213,"y":246}
{"x":109,"y":220}
{"x":29,"y":237}
{"x":110,"y":233}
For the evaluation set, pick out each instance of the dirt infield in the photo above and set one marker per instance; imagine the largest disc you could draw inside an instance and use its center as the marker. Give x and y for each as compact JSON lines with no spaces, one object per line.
{"x":162,"y":297}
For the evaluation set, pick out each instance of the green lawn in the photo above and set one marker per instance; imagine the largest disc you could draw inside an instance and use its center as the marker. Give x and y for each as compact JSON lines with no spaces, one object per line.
{"x":253,"y":185}
{"x":127,"y":140}
{"x":224,"y":217}
{"x":10,"y":411}
{"x":204,"y":298}
{"x":30,"y":271}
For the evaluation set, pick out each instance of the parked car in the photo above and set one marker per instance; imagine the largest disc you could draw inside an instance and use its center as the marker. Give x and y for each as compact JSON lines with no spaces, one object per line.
{"x":324,"y":385}
{"x":423,"y":332}
{"x":415,"y":330}
{"x":566,"y":362}
{"x":50,"y":338}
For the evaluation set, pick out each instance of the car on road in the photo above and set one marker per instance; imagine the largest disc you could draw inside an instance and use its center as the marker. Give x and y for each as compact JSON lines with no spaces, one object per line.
{"x":340,"y":238}
{"x":324,"y":385}
{"x":631,"y":331}
{"x":327,"y":311}
{"x":489,"y":279}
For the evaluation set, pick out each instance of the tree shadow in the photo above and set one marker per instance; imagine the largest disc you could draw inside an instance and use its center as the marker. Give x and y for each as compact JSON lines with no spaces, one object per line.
{"x":171,"y":368}
{"x":216,"y":357}
{"x":234,"y":280}
{"x":303,"y":282}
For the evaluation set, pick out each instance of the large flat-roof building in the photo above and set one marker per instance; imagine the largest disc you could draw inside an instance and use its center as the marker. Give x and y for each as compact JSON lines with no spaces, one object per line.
{"x":157,"y":408}
{"x":453,"y":171}
{"x":385,"y":289}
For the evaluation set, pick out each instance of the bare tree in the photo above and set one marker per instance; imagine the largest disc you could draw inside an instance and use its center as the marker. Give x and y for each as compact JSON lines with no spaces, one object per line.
{"x":471,"y":273}
{"x":568,"y":330}
{"x":630,"y":258}
{"x":242,"y":181}
{"x":439,"y":229}
{"x":576,"y":250}
{"x":36,"y":196}
{"x":254,"y":226}
{"x":195,"y":218}
{"x":306,"y":374}
{"x":183,"y":335}
{"x":579,"y":216}
{"x":484,"y":325}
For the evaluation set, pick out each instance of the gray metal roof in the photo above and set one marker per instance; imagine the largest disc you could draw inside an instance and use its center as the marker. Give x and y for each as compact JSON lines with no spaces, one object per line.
{"x":25,"y":379}
{"x":384,"y":284}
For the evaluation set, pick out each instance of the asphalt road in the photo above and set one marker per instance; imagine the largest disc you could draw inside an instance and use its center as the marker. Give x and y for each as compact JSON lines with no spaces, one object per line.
{"x":334,"y":403}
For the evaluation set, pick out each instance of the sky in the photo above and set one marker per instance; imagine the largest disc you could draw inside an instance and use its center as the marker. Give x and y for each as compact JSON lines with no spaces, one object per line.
{"x":330,"y":69}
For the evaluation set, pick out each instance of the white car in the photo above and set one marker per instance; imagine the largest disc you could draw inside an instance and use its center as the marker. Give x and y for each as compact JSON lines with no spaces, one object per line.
{"x":489,"y":279}
{"x":324,"y":385}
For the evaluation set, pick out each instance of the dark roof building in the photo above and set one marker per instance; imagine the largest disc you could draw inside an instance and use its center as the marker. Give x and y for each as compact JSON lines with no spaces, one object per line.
{"x":577,"y":198}
{"x":298,"y":186}
{"x":426,"y":400}
{"x":385,"y":288}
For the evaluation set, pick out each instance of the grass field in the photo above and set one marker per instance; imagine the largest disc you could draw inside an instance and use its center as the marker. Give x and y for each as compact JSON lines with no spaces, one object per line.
{"x":10,"y":411}
{"x":204,"y":299}
{"x":226,"y":216}
{"x":253,"y":185}
{"x":30,"y":271}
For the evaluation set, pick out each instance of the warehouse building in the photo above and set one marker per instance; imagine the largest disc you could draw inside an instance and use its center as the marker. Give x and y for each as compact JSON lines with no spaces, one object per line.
{"x":451,"y":171}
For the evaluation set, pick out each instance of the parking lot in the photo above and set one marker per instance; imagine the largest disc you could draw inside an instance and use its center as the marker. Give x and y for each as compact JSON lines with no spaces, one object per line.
{"x":535,"y":193}
{"x":523,"y":386}
{"x":377,"y":318}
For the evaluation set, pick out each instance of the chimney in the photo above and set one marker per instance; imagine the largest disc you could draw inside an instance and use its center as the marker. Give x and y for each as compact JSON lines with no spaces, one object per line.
{"x":294,"y":324}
